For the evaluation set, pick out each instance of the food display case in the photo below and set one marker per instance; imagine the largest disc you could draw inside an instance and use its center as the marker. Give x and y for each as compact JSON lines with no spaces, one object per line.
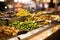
{"x":32,"y":25}
{"x":24,"y":25}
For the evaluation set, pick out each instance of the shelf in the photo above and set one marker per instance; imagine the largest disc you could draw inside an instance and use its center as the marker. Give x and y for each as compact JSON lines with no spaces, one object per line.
{"x":40,"y":31}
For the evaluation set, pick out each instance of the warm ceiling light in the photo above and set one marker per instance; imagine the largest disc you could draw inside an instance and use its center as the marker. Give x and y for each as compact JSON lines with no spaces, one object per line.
{"x":15,"y":0}
{"x":25,"y":1}
{"x":1,"y":0}
{"x":22,"y":1}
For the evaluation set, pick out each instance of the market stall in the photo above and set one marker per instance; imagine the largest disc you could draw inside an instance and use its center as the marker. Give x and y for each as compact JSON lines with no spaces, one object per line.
{"x":18,"y":23}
